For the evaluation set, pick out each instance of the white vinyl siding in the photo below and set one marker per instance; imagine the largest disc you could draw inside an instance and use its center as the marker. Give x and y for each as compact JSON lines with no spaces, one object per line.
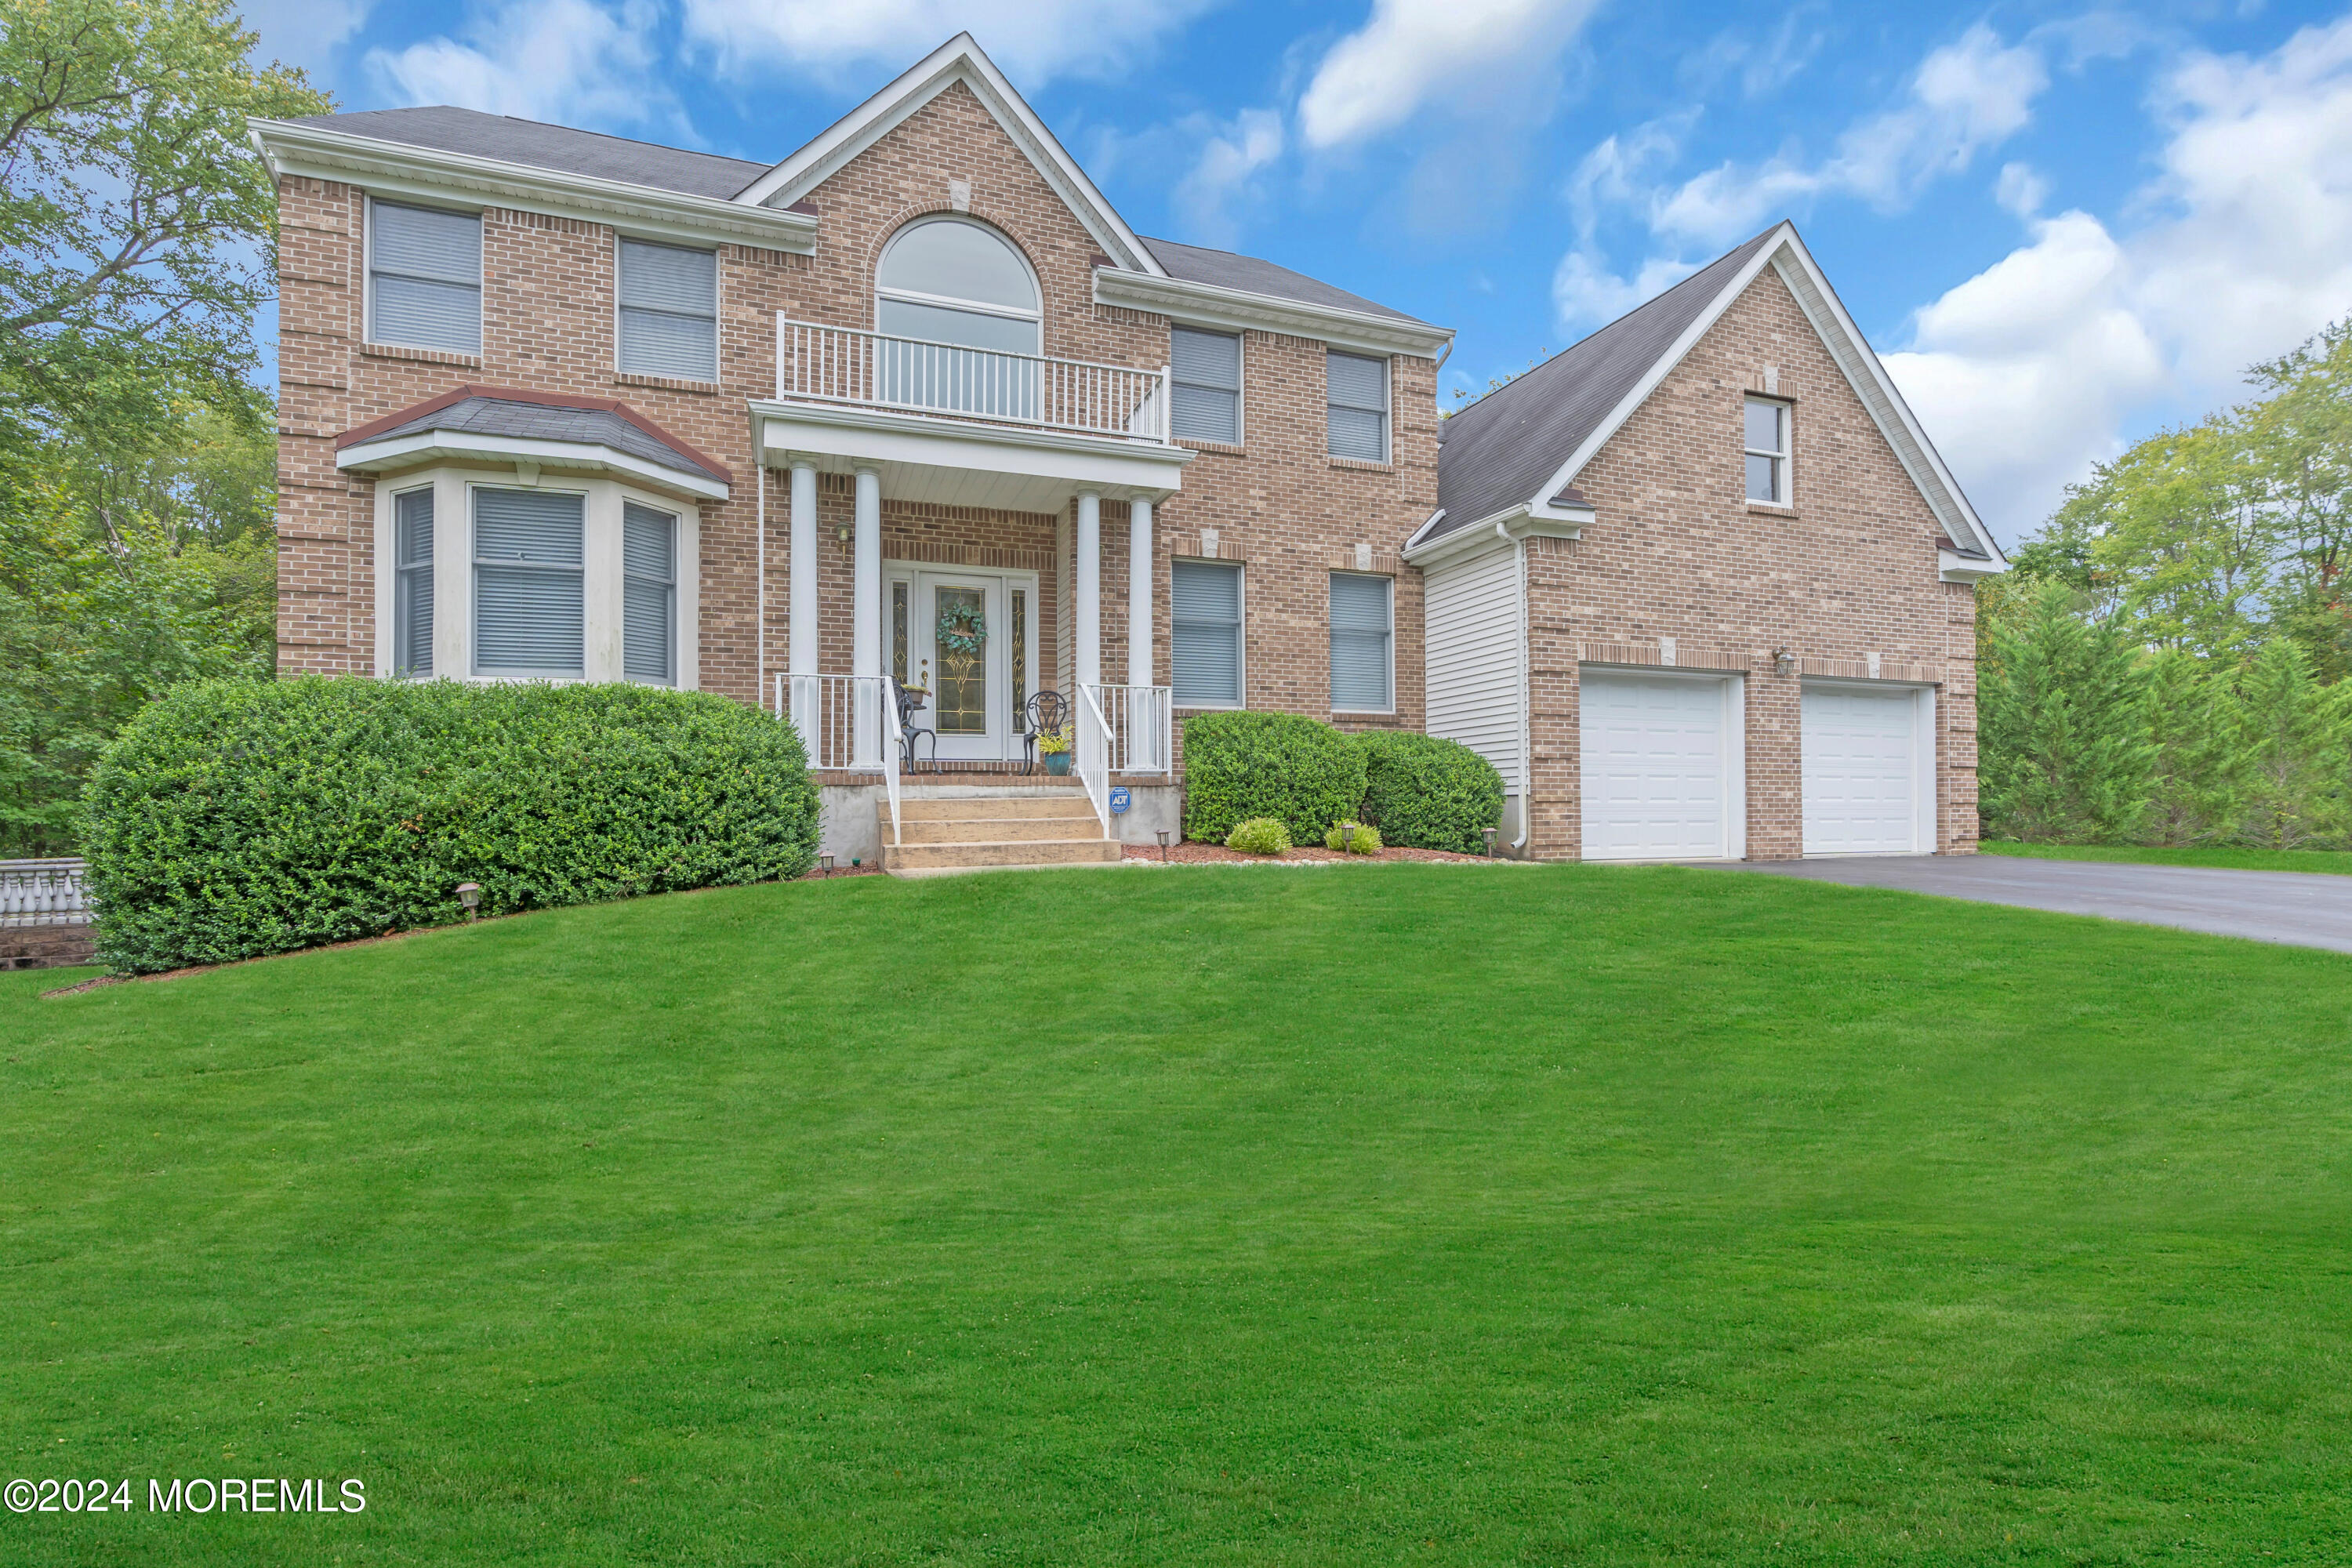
{"x":1765,"y":430}
{"x":1472,"y":611}
{"x":425,"y":278}
{"x":1207,"y":370}
{"x":648,"y":594}
{"x":669,"y":311}
{"x":1359,"y":411}
{"x":1205,"y":643}
{"x":412,"y":593}
{"x":1364,"y":639}
{"x":530,"y":603}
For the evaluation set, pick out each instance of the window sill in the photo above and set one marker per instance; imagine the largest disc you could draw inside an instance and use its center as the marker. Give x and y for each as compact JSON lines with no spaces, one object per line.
{"x":1771,"y":509}
{"x":1360,"y":465}
{"x":1212,"y":707}
{"x":1364,"y":715}
{"x":1223,"y":449}
{"x":420,"y":356}
{"x":665,"y":383}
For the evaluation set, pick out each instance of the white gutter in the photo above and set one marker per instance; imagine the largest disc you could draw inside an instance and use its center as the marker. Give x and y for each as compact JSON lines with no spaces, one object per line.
{"x":1237,"y":310}
{"x":1954,"y":567}
{"x":1524,"y":521}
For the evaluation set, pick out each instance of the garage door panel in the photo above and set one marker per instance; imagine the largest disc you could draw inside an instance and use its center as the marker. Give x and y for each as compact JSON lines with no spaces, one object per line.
{"x":1861,"y":773}
{"x":1656,"y":772}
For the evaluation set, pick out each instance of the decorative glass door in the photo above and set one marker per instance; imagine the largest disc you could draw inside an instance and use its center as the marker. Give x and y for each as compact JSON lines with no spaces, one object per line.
{"x":962,"y":656}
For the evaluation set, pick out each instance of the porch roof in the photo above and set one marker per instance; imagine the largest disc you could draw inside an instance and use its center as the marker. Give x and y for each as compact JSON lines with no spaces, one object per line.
{"x":1008,"y":468}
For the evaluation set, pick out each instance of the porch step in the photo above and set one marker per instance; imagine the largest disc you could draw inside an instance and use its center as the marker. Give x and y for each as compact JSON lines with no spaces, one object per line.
{"x":990,"y":831}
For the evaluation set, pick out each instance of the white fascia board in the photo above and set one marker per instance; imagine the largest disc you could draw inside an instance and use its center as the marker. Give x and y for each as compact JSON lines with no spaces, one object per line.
{"x":422,"y":448}
{"x":1507,"y":527}
{"x":1122,"y":469}
{"x":1208,"y":305}
{"x":397,"y":168}
{"x":959,"y":60}
{"x":1954,"y":567}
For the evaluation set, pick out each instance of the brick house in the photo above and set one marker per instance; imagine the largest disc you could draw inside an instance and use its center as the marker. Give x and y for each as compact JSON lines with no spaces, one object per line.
{"x":914,"y":411}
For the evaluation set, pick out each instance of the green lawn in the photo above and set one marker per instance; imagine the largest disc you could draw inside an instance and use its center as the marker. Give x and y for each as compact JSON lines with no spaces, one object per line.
{"x":2336,"y":862}
{"x":1386,"y":1213}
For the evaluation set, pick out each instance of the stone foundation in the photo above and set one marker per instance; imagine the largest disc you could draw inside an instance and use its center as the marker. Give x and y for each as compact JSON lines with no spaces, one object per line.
{"x":45,"y":947}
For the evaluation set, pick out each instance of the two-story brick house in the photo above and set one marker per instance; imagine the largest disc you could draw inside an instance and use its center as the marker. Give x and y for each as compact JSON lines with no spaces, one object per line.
{"x":914,"y":409}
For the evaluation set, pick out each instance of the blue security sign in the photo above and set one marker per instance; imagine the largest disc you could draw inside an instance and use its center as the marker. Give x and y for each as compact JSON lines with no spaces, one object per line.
{"x":1120,"y":800}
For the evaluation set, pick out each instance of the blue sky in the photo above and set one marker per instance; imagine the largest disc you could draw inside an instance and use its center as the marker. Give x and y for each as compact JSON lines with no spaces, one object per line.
{"x":2064,"y":227}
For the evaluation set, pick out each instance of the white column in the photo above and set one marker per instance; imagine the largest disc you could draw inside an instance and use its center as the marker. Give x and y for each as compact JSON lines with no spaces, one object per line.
{"x":802,"y":653}
{"x":1139,"y":594}
{"x":1088,"y":598}
{"x":865,"y":622}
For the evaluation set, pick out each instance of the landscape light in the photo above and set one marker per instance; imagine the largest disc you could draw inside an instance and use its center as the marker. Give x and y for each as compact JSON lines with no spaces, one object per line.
{"x":1490,"y":841}
{"x":828,"y":864}
{"x":1347,"y":838}
{"x":471,"y":895}
{"x":1163,"y":846}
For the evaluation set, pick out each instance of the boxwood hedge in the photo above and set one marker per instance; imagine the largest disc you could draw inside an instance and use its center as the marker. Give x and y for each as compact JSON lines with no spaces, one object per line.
{"x":1239,"y":766}
{"x":231,"y":819}
{"x":1429,"y":793}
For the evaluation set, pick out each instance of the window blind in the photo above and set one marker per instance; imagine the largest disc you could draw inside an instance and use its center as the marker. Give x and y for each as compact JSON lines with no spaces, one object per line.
{"x":1359,"y":398}
{"x":648,"y":594}
{"x":1206,"y":644}
{"x":529,"y":611}
{"x":1207,"y":370}
{"x":669,"y":311}
{"x":412,"y":582}
{"x":424,"y":277}
{"x":1360,"y":630}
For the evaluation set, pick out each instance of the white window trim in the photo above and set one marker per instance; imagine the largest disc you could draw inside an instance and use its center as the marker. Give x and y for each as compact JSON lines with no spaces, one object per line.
{"x":1388,"y":397}
{"x":367,"y":293}
{"x":948,"y":303}
{"x":1787,"y":456}
{"x":717,"y":304}
{"x":676,"y":595}
{"x":1389,"y":712}
{"x":1241,"y":378}
{"x":1241,"y":630}
{"x":388,"y":557}
{"x":601,"y":572}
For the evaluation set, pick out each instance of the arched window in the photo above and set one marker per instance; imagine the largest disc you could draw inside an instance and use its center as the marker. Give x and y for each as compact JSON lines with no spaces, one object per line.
{"x":948,"y":281}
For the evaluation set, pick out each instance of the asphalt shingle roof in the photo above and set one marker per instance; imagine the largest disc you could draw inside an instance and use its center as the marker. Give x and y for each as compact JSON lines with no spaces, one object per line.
{"x":1224,"y":270}
{"x":446,"y":130}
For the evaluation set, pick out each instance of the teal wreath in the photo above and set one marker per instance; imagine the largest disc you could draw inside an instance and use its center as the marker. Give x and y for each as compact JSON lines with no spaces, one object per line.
{"x":963,"y":630}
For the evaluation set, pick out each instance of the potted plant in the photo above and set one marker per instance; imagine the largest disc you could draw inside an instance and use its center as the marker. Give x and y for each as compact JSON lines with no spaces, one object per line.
{"x":1054,"y":745}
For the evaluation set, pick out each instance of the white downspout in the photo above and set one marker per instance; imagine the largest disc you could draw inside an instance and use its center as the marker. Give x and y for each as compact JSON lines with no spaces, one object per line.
{"x":1526,"y":761}
{"x":760,"y":610}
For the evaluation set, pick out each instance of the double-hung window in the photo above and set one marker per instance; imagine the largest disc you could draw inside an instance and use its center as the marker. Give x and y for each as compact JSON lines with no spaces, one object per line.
{"x":424,"y":277}
{"x":669,"y":311}
{"x":648,"y":594}
{"x":412,"y":581}
{"x":1205,"y":642}
{"x":530,"y":605}
{"x":1363,"y":634}
{"x":1768,"y":452}
{"x":1358,"y":399}
{"x":1207,"y":370}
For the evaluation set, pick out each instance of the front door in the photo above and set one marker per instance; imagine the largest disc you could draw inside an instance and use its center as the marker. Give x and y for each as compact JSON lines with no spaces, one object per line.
{"x":962,"y":653}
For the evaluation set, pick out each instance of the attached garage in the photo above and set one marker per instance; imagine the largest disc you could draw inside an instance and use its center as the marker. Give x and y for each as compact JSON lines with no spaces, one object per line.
{"x":1662,"y":765}
{"x":1869,"y":770}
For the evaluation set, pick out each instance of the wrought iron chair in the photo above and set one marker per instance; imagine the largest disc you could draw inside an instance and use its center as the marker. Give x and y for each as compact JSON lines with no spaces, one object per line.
{"x":1047,"y":713}
{"x":911,"y":734}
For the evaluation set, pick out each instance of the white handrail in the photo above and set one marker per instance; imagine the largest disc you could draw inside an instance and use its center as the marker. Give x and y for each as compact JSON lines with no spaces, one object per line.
{"x":848,"y":723}
{"x":893,"y":752}
{"x":1139,"y":728}
{"x":849,"y":365}
{"x":1091,"y":761}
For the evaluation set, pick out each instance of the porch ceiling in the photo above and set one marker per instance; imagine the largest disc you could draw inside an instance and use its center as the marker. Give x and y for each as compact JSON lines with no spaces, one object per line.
{"x":956,"y":463}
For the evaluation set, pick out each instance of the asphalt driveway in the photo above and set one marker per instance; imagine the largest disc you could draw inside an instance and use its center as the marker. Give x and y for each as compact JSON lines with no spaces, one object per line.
{"x":2301,"y":909}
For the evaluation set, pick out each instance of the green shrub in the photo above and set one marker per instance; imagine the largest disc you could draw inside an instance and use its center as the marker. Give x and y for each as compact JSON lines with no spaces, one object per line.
{"x":1259,"y":836}
{"x":1429,"y":793}
{"x":231,"y":819}
{"x":1240,"y":765}
{"x":1365,"y":840}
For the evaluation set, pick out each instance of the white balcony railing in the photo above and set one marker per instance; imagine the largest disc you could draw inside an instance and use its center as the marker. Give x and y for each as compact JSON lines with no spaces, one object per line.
{"x":847,"y":722}
{"x":845,"y":364}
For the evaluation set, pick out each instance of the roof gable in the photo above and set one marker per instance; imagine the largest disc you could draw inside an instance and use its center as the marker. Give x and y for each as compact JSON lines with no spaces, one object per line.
{"x":959,"y":60}
{"x":1522,"y":445}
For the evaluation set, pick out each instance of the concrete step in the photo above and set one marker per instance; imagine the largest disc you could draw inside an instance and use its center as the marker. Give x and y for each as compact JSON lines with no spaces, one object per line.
{"x":990,"y":829}
{"x":1068,"y":807}
{"x":919,"y":857}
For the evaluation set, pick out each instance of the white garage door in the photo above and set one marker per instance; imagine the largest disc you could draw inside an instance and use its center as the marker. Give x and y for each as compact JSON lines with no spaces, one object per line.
{"x":1656,"y":767}
{"x":1865,"y":772}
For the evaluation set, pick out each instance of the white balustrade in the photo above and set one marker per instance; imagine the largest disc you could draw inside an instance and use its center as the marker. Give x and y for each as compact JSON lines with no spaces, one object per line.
{"x":43,"y":893}
{"x":848,"y":723}
{"x":1139,"y":728}
{"x":848,"y":365}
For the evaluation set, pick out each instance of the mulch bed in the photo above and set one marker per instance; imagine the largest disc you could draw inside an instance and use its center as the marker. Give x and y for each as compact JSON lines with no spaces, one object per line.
{"x":1218,"y":854}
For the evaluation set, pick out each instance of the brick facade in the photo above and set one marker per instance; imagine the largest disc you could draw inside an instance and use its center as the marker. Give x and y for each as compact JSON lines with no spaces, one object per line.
{"x":1677,"y":552}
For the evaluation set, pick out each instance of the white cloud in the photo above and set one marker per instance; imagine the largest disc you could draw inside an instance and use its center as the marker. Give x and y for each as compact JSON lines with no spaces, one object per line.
{"x":568,"y":61}
{"x":1964,"y":98}
{"x":1585,"y":293}
{"x":305,"y":32}
{"x":2019,"y":190}
{"x":1413,"y":52}
{"x":1034,"y":40}
{"x":2032,"y":370}
{"x":1231,"y":156}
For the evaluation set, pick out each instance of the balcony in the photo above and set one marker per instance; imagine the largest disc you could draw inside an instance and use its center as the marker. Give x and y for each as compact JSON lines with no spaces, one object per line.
{"x":844,"y":366}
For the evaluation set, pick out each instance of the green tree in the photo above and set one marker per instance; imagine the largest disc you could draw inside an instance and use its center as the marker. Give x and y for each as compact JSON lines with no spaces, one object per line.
{"x":2065,"y":751}
{"x":2291,"y":748}
{"x":2301,"y":437}
{"x":2197,"y":769}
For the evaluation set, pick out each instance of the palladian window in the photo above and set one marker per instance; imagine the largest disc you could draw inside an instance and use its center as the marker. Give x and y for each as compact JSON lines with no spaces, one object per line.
{"x":957,"y":307}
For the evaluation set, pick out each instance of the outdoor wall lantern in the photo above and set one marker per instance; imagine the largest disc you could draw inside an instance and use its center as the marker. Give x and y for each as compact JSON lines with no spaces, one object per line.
{"x":1163,"y":845}
{"x":471,"y":895}
{"x":1784,"y":663}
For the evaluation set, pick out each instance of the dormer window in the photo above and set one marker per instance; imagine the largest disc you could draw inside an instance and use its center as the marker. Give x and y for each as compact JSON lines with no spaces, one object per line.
{"x":967,"y":304}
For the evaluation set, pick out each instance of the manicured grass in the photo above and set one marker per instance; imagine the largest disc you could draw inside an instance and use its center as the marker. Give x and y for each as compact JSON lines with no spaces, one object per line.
{"x":2335,"y":862}
{"x":1379,"y":1214}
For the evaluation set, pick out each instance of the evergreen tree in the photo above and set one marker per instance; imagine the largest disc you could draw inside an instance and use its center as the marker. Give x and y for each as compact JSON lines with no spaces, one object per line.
{"x":2198,"y":767}
{"x":2066,"y":757}
{"x":2291,"y":745}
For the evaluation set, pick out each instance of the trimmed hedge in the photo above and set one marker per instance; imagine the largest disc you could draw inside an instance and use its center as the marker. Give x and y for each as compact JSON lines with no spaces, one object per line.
{"x":1239,"y":766}
{"x":1259,"y":835}
{"x":231,"y":818}
{"x":1429,"y":793}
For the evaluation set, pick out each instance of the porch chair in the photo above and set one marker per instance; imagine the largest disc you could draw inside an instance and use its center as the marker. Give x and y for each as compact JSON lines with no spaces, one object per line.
{"x":1047,"y":713}
{"x":911,"y":733}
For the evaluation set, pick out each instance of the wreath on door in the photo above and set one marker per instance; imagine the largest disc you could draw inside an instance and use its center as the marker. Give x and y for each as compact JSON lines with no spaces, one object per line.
{"x":963,"y":630}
